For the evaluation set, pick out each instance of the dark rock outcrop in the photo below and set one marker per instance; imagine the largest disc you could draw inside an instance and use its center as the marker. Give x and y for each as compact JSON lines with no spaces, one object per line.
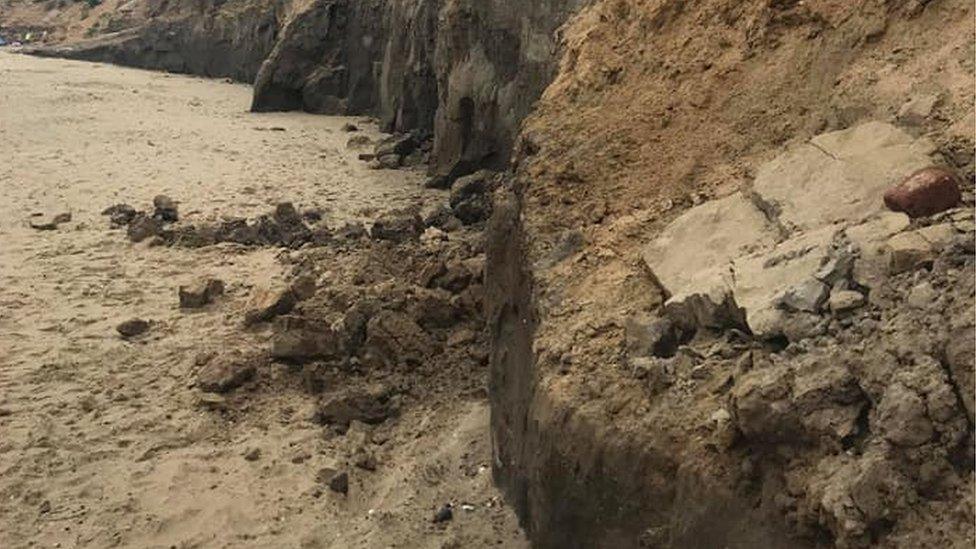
{"x":187,"y":37}
{"x":470,"y":71}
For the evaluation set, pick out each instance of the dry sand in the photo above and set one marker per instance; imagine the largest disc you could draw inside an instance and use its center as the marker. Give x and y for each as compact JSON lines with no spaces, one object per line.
{"x":102,"y":442}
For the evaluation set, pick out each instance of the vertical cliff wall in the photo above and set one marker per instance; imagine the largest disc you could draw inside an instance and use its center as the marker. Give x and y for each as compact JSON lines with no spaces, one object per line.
{"x":469,"y":71}
{"x":196,"y":37}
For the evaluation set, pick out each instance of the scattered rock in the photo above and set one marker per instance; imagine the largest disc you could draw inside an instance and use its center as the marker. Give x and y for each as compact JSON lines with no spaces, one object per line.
{"x":388,"y":162}
{"x":298,"y":339}
{"x":142,"y":227}
{"x":165,"y":209}
{"x":807,"y":296}
{"x":349,"y":127}
{"x":371,"y":406}
{"x":433,"y":236}
{"x":438,"y":182}
{"x":133,"y":327}
{"x":365,"y":459}
{"x":397,"y":227}
{"x":836,"y":270}
{"x":471,"y":197}
{"x":352,"y":230}
{"x":435,"y":215}
{"x":286,"y":214}
{"x":212,"y":401}
{"x":120,"y":215}
{"x":651,"y":336}
{"x":922,"y":296}
{"x":444,"y":514}
{"x":846,"y":300}
{"x":266,"y":303}
{"x":47,"y":222}
{"x":396,"y":145}
{"x":360,"y":142}
{"x":312,"y":215}
{"x":253,"y":454}
{"x":926,"y":192}
{"x":227,"y":372}
{"x":338,"y":481}
{"x":200,"y":293}
{"x":907,"y":251}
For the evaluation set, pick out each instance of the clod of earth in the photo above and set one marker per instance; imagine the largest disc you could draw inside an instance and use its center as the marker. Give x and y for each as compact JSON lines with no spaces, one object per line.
{"x":227,"y":372}
{"x":266,"y":303}
{"x":444,"y":514}
{"x":165,"y":209}
{"x":48,"y":222}
{"x":397,"y":227}
{"x":143,"y":226}
{"x":120,"y":215}
{"x":371,"y":405}
{"x":132,"y":328}
{"x":338,"y":481}
{"x":200,"y":293}
{"x":298,"y":339}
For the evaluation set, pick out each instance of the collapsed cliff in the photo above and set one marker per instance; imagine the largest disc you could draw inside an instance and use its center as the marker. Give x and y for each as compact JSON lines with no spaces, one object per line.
{"x":209,"y":39}
{"x":652,"y":109}
{"x":618,"y":422}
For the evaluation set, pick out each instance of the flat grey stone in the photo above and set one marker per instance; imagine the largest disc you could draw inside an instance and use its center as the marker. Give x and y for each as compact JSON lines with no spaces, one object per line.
{"x":705,"y":239}
{"x":839,"y":177}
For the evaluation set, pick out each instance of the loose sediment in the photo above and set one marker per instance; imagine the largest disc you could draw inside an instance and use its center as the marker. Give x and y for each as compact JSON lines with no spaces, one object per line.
{"x":186,"y":430}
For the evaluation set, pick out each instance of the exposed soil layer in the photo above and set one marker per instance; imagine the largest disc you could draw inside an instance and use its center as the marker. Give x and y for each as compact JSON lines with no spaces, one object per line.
{"x":659,"y":106}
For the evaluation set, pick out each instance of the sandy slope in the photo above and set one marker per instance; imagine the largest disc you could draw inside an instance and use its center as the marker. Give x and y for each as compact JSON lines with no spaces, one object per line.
{"x":102,"y":443}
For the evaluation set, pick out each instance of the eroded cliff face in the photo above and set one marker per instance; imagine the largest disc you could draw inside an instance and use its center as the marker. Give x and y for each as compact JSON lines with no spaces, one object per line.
{"x":465,"y":71}
{"x":196,"y":37}
{"x":468,"y":71}
{"x":727,"y":439}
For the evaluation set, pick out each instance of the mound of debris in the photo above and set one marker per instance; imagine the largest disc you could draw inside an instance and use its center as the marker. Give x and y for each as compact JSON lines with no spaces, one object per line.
{"x":787,"y":366}
{"x":812,"y":233}
{"x":285,"y":227}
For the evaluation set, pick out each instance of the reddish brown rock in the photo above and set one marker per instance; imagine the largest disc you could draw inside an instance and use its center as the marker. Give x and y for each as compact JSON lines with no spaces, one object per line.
{"x":925,"y":192}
